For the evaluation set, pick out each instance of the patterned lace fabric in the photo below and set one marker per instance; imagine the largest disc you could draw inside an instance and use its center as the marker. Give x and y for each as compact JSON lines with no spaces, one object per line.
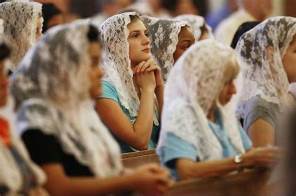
{"x":196,"y":23}
{"x":260,"y":52}
{"x":52,"y":88}
{"x":11,"y":177}
{"x":20,"y":26}
{"x":164,"y":39}
{"x":117,"y":64}
{"x":192,"y":89}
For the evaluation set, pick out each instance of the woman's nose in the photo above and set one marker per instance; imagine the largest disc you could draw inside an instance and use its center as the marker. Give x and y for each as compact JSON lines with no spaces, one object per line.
{"x":101,"y":71}
{"x":146,"y":40}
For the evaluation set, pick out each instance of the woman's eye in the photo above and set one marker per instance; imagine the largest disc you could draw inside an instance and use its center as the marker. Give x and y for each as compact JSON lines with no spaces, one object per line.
{"x":185,"y":46}
{"x":134,"y":35}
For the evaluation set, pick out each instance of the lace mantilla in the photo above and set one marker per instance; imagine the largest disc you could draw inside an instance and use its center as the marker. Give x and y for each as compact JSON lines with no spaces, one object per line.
{"x":117,"y":64}
{"x":20,"y":26}
{"x":52,"y":88}
{"x":260,"y":52}
{"x":192,"y":88}
{"x":164,"y":35}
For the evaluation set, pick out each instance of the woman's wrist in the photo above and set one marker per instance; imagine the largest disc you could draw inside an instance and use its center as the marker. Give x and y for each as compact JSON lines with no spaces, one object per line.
{"x":148,"y":89}
{"x":159,"y":86}
{"x":131,"y":181}
{"x":247,"y":161}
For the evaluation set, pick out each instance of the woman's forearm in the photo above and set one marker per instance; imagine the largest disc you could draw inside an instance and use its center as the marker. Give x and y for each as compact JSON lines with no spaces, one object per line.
{"x":189,"y":169}
{"x":159,"y":92}
{"x":89,"y":186}
{"x":144,"y":122}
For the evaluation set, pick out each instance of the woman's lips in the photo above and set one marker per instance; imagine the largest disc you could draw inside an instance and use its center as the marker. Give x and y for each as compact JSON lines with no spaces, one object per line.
{"x":147,"y":50}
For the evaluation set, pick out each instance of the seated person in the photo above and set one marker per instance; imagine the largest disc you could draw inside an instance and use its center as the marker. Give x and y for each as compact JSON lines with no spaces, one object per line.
{"x":200,"y":135}
{"x":19,"y":175}
{"x":55,"y":88}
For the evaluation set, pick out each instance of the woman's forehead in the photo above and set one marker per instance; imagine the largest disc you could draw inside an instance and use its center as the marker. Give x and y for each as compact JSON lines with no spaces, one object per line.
{"x":136,"y":25}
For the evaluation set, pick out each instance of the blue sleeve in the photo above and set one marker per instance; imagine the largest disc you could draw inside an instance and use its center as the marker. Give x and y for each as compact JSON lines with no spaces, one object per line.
{"x":175,"y":148}
{"x":109,"y":92}
{"x":247,"y":143}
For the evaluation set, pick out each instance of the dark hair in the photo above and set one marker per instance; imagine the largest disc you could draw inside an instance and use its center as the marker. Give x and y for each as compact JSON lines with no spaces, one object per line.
{"x":243,"y":28}
{"x":49,"y":10}
{"x":4,"y":51}
{"x":94,"y":34}
{"x":134,"y":17}
{"x":200,"y":5}
{"x":170,"y":5}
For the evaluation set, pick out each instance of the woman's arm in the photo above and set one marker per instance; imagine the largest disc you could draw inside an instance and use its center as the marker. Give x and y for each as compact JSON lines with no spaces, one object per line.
{"x":138,"y":134}
{"x":148,"y":179}
{"x":261,"y":133}
{"x":256,"y":157}
{"x":189,"y":169}
{"x":159,"y":92}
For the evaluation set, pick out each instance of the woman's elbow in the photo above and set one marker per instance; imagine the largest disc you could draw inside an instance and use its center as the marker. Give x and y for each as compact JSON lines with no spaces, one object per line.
{"x":141,"y":145}
{"x":184,"y":169}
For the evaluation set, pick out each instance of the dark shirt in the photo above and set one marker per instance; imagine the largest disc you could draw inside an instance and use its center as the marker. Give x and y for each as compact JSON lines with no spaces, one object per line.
{"x":46,"y":149}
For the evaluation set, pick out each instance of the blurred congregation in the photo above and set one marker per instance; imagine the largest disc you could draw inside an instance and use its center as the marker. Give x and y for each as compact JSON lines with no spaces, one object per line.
{"x":147,"y":97}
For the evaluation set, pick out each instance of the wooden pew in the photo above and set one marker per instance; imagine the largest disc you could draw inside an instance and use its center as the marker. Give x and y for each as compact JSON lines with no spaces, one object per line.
{"x":135,"y":159}
{"x":247,"y":183}
{"x":136,"y":154}
{"x":250,"y":183}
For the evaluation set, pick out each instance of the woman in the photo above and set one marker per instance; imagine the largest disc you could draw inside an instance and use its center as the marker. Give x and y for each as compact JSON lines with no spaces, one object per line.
{"x":55,"y":86}
{"x":22,"y":26}
{"x":133,"y":87}
{"x":267,"y":57}
{"x":170,"y":38}
{"x":200,"y":136}
{"x":18,"y":176}
{"x":198,"y":25}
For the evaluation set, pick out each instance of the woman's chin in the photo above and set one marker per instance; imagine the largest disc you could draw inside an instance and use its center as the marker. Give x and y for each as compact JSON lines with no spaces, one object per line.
{"x":145,"y":57}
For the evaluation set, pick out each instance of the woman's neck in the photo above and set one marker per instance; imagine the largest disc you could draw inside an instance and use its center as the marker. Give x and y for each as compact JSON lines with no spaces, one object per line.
{"x":133,"y":64}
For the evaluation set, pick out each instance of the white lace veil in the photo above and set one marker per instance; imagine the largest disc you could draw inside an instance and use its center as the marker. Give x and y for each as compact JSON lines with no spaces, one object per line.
{"x":116,"y":61}
{"x":1,"y":27}
{"x":260,"y":52}
{"x":20,"y":26}
{"x":196,"y":23}
{"x":10,"y":176}
{"x":192,"y":88}
{"x":51,"y":87}
{"x":164,"y":39}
